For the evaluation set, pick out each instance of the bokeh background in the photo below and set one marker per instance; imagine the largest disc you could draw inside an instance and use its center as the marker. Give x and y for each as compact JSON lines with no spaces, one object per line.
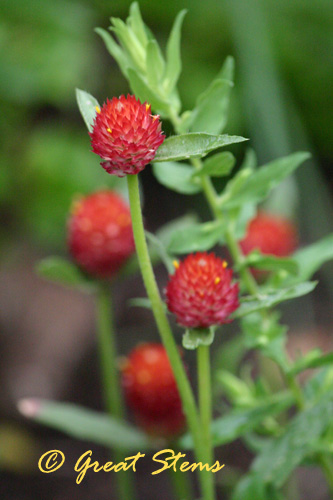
{"x":282,"y":101}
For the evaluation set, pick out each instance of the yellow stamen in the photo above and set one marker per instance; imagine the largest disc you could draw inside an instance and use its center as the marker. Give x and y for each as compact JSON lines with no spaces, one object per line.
{"x":217,"y":280}
{"x":147,"y":107}
{"x":98,"y":109}
{"x":225,"y":264}
{"x":109,"y":130}
{"x":176,"y":264}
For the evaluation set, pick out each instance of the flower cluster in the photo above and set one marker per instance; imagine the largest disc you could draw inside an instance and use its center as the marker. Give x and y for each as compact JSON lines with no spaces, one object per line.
{"x":100,"y":236}
{"x":271,"y":234}
{"x":151,"y":390}
{"x":126,"y":135}
{"x":201,"y":293}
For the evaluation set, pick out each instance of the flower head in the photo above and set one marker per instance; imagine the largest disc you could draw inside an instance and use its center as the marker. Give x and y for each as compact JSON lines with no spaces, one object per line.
{"x":271,"y":234}
{"x":151,"y":390}
{"x":126,"y":135}
{"x":200,"y":293}
{"x":100,"y":236}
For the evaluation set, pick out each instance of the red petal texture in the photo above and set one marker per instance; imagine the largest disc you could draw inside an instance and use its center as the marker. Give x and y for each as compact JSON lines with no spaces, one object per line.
{"x":201,"y":293}
{"x":100,"y":236}
{"x":151,"y":390}
{"x":271,"y":234}
{"x":126,"y":135}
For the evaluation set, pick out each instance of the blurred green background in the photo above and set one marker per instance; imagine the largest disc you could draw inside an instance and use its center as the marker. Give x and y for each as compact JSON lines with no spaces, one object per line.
{"x":282,"y":101}
{"x":283,"y":96}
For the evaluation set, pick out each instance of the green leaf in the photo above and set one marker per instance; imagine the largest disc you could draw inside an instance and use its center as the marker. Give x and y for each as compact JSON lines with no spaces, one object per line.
{"x":270,"y":262}
{"x":195,"y":337}
{"x":161,"y":251}
{"x":313,"y":359}
{"x":130,"y":43}
{"x":165,"y":232}
{"x":145,"y":93}
{"x":312,"y":257}
{"x":87,"y":106}
{"x":193,"y":145}
{"x":136,"y":23}
{"x":174,"y":64}
{"x":218,"y":165}
{"x":140,"y":302}
{"x":251,"y":487}
{"x":319,"y":385}
{"x":85,"y":424}
{"x":115,"y":50}
{"x":235,"y":388}
{"x":176,"y":176}
{"x":239,"y":422}
{"x":196,"y":238}
{"x":235,"y":186}
{"x":271,"y":298}
{"x":281,"y":456}
{"x":209,"y":113}
{"x":64,"y":272}
{"x":262,"y":181}
{"x":155,"y":63}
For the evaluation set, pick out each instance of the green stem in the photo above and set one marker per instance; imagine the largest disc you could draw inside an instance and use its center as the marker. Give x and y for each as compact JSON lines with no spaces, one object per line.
{"x":110,"y":379}
{"x":185,"y":391}
{"x":205,"y":397}
{"x":181,"y":483}
{"x":205,"y":405}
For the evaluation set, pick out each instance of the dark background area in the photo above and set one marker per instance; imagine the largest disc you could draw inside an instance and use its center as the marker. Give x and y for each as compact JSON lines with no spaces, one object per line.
{"x":282,"y":101}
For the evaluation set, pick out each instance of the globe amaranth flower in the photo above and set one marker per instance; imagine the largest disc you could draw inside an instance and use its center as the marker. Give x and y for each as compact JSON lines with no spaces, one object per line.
{"x":271,"y":234}
{"x":100,"y":236}
{"x":151,"y":391}
{"x":126,"y":135}
{"x":200,"y":293}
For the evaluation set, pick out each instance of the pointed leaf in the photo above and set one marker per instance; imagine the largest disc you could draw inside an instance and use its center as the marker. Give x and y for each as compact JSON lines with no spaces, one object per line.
{"x":87,"y":106}
{"x":176,"y":176}
{"x":145,"y":93}
{"x":136,"y":23}
{"x":85,"y":424}
{"x":262,"y":181}
{"x":115,"y":50}
{"x":209,"y":115}
{"x":161,"y":251}
{"x":271,"y":298}
{"x":197,"y":238}
{"x":312,"y":257}
{"x":130,"y":43}
{"x":270,"y":262}
{"x":173,"y":67}
{"x":239,"y":422}
{"x":64,"y":272}
{"x":193,"y":145}
{"x":281,"y":456}
{"x":155,"y":63}
{"x":218,"y":165}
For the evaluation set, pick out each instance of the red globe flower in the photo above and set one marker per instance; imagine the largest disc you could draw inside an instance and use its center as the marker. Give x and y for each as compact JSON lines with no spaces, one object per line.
{"x":201,"y":293}
{"x":151,"y":390}
{"x":271,"y":234}
{"x":100,"y":236}
{"x":126,"y":135}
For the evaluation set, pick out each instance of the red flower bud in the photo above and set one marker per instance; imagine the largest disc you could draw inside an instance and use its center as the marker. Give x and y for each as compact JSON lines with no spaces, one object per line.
{"x":126,"y":135}
{"x":151,"y":390}
{"x":100,"y":236}
{"x":201,"y":293}
{"x":271,"y":234}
